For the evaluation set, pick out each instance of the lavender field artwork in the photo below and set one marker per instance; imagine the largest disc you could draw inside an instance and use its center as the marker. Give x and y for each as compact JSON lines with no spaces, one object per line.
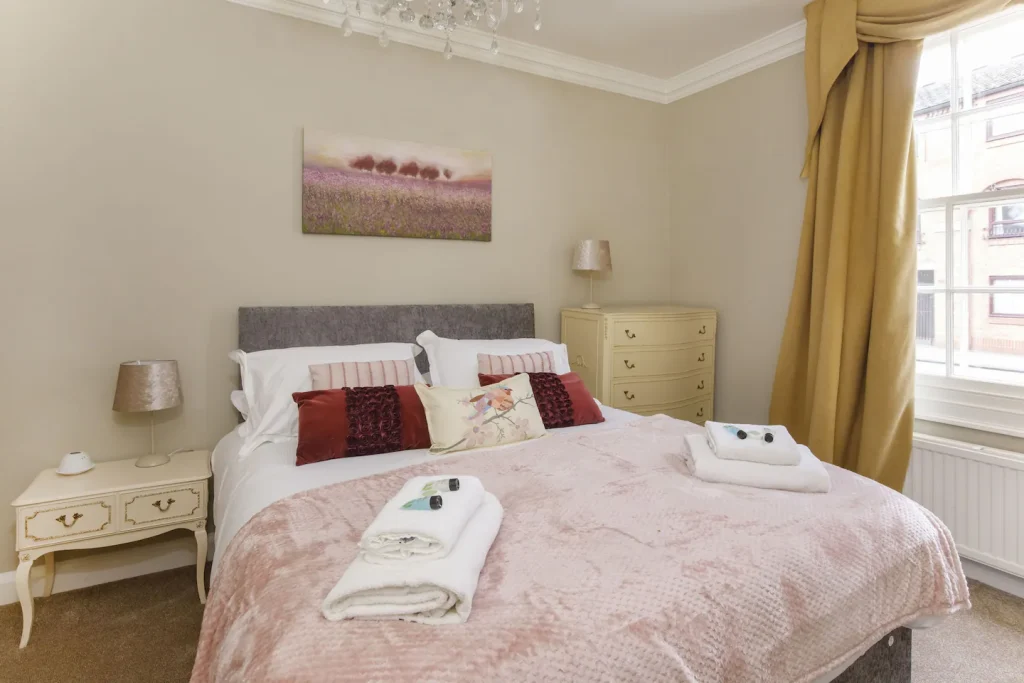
{"x":357,"y":186}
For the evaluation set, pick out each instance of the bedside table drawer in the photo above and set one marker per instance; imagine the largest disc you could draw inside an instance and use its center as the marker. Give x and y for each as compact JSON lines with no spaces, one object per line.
{"x":162,"y":506}
{"x":645,"y":363}
{"x":698,"y":413}
{"x":662,"y":332}
{"x":54,"y":522}
{"x":640,"y":393}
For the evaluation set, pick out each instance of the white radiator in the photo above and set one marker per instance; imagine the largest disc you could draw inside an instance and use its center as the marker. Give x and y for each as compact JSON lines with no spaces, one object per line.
{"x":978,"y":492}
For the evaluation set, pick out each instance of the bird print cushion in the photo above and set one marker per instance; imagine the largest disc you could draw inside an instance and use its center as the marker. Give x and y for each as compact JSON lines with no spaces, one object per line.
{"x":498,"y":414}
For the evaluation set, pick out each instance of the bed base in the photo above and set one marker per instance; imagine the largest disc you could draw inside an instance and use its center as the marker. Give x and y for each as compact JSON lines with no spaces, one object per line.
{"x":883,"y":663}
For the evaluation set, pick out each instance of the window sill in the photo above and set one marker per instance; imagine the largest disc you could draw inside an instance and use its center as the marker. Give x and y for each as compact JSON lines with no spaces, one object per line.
{"x":996,"y":408}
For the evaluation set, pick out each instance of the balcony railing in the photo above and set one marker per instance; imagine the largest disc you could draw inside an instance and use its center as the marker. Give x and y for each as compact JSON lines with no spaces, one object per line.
{"x":1001,"y":229}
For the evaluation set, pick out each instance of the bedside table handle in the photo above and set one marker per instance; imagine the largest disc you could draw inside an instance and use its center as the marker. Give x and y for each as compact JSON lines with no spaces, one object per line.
{"x":159,"y":505}
{"x":701,"y":385}
{"x":629,"y":396}
{"x":63,"y":519}
{"x":630,"y":366}
{"x":700,"y":413}
{"x":630,"y":335}
{"x":700,"y":359}
{"x":703,"y":329}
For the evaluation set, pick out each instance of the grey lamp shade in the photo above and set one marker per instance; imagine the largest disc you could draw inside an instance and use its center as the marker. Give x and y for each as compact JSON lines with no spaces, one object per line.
{"x":592,"y":255}
{"x":147,"y":385}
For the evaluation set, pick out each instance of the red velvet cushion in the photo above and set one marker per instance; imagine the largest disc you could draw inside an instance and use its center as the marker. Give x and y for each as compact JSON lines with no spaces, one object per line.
{"x":563,"y":400}
{"x":339,"y":423}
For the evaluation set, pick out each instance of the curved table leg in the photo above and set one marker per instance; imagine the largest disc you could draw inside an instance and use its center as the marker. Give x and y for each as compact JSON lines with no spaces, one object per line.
{"x":24,"y":584}
{"x":201,"y":563}
{"x":50,"y":572}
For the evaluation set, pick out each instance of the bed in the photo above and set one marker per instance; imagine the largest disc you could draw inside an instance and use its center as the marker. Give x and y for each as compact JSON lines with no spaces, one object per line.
{"x":286,"y":533}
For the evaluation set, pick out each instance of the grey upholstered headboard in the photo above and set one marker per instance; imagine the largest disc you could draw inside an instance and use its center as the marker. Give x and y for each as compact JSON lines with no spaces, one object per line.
{"x":281,"y":327}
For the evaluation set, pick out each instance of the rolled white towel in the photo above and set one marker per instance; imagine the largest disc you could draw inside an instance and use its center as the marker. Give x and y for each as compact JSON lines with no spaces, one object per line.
{"x":809,"y":476}
{"x":724,"y":442}
{"x":436,"y":592}
{"x":400,"y":534}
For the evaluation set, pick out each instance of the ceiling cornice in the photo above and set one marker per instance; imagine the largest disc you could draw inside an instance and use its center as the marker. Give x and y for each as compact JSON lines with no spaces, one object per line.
{"x":521,"y":56}
{"x":768,"y":50}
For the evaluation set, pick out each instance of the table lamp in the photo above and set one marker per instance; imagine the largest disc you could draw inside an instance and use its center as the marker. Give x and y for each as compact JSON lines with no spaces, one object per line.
{"x":592,"y":256}
{"x":145,"y":386}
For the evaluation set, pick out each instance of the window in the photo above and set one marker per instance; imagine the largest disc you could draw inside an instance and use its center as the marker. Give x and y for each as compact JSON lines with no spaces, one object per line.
{"x":1002,"y":127}
{"x":970,"y":285}
{"x":1006,"y":305}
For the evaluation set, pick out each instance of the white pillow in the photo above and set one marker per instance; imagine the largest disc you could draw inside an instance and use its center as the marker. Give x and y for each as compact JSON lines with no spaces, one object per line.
{"x":269,"y":378}
{"x":453,"y":362}
{"x":240,"y":404}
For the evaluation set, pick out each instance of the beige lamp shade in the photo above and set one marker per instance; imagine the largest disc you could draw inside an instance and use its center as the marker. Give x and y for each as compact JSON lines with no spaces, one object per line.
{"x":592,"y":256}
{"x":147,"y":385}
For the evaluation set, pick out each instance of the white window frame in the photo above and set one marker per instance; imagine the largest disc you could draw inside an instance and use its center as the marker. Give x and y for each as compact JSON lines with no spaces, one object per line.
{"x":985,"y":406}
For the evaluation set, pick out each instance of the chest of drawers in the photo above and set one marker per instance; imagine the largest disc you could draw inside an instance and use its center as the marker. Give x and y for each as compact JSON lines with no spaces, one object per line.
{"x":646,"y":359}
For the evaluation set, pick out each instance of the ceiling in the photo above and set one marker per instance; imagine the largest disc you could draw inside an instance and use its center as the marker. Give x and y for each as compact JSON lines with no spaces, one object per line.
{"x":660,"y":38}
{"x":658,"y":50}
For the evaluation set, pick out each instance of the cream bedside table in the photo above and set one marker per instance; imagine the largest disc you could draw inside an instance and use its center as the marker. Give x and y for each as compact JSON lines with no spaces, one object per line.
{"x":114,"y":503}
{"x":646,"y":359}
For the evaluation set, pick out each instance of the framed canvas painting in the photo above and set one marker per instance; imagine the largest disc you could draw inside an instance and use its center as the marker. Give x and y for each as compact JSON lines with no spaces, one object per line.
{"x":381,"y":188}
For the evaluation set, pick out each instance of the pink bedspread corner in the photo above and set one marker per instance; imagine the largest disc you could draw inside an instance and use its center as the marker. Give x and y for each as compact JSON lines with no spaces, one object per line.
{"x":612,"y":564}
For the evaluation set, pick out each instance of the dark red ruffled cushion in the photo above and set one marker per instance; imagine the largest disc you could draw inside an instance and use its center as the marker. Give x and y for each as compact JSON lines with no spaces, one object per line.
{"x":563,"y":400}
{"x":340,"y":423}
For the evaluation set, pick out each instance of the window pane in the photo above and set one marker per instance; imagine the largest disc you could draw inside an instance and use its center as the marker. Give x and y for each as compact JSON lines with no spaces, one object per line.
{"x":992,"y":61}
{"x":934,"y":143}
{"x":931,"y":333}
{"x":931,"y":248}
{"x":934,"y":148}
{"x":989,"y":243}
{"x":933,"y":80}
{"x":989,"y":346}
{"x":992,"y":149}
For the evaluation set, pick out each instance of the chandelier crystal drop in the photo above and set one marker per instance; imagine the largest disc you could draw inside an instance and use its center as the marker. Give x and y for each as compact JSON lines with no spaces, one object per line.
{"x":443,"y":16}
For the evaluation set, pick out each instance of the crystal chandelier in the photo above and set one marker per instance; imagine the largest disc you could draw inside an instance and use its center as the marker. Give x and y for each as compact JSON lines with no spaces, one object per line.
{"x":444,"y":16}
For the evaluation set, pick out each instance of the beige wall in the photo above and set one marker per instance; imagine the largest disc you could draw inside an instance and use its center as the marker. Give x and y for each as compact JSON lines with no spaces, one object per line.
{"x":149,"y":185}
{"x":737,"y":202}
{"x":737,"y":207}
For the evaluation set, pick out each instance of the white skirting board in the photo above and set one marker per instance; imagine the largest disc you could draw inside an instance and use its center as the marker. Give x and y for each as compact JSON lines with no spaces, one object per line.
{"x":109,"y":564}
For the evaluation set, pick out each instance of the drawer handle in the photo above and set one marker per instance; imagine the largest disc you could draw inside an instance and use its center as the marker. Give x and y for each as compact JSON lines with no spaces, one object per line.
{"x":629,"y":396}
{"x":701,"y":385}
{"x":700,"y":359}
{"x":629,"y":366}
{"x":630,"y":335}
{"x":63,"y":519}
{"x":159,"y":505}
{"x":700,"y":413}
{"x":703,"y":329}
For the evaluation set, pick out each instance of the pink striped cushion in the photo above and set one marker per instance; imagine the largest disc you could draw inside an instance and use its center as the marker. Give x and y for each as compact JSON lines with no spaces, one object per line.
{"x":543,"y":361}
{"x":375,"y":373}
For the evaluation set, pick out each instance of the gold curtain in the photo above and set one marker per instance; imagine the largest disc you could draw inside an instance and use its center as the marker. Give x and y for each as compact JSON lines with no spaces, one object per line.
{"x":844,"y":382}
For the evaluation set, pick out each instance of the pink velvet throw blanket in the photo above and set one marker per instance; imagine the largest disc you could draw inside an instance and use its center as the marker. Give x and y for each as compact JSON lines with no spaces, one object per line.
{"x":612,"y":564}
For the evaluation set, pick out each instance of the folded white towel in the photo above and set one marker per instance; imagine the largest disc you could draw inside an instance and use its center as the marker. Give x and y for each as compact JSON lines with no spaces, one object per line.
{"x":810,"y":476}
{"x":782,"y":450}
{"x":399,"y":534}
{"x":436,"y":592}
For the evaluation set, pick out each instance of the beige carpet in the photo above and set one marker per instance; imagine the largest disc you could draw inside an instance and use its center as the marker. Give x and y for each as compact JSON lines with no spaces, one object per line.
{"x":145,"y":630}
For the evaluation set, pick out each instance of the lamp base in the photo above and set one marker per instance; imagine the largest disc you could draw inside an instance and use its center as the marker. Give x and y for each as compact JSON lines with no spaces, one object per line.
{"x":153,"y":460}
{"x":591,"y":305}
